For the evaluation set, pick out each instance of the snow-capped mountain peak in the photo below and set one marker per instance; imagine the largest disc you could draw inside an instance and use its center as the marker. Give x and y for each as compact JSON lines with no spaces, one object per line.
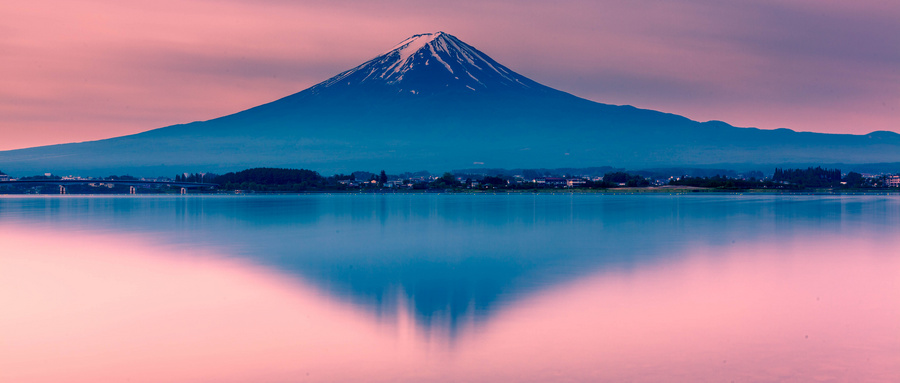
{"x":408,"y":47}
{"x":431,"y":63}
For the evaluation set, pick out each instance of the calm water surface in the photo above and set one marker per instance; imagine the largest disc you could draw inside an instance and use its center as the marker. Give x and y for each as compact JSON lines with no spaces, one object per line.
{"x":448,"y":288}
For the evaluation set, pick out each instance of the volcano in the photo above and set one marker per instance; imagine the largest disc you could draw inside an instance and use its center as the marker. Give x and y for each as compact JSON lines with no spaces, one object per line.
{"x":433,"y":102}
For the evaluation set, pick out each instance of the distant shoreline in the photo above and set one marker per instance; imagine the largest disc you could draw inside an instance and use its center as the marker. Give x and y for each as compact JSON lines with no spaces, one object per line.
{"x":654,"y":190}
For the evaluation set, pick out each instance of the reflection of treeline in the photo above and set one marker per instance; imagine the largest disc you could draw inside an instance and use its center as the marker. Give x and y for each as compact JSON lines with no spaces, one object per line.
{"x":720,"y":182}
{"x":263,"y":179}
{"x":810,"y":177}
{"x":622,"y":178}
{"x":794,"y":179}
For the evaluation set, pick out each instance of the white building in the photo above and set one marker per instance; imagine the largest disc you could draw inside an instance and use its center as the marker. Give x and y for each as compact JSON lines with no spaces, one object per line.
{"x":892,"y":181}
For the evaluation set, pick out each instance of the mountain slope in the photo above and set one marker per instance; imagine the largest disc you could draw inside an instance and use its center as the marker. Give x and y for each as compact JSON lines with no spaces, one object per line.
{"x":433,"y":102}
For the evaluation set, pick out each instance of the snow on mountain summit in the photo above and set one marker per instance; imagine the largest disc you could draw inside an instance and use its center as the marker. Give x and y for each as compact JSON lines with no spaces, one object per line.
{"x":431,"y":63}
{"x":410,"y":46}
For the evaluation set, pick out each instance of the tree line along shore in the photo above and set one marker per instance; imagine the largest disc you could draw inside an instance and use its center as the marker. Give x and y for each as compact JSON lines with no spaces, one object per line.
{"x":275,"y":180}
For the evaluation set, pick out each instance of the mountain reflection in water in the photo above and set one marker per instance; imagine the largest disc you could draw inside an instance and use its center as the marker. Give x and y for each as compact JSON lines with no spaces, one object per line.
{"x":479,"y":288}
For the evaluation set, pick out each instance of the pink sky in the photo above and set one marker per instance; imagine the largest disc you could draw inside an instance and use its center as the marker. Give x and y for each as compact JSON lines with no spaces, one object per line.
{"x":78,"y":71}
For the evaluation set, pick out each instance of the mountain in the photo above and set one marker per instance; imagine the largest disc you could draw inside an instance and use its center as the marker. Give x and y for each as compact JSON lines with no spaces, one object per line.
{"x":435,"y":103}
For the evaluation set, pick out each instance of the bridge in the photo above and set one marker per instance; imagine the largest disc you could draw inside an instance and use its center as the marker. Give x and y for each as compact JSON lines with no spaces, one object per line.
{"x":133,"y":183}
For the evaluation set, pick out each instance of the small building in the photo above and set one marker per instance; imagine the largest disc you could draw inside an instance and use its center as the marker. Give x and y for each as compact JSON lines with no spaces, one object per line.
{"x":4,"y":177}
{"x":892,"y":181}
{"x":575,"y":182}
{"x":551,"y":181}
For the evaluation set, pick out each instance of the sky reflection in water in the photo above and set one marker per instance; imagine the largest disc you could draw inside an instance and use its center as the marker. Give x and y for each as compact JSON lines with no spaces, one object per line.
{"x":450,"y":288}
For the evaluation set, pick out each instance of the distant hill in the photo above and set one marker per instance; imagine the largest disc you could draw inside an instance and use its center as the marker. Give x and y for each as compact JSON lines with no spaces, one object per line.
{"x":436,"y":103}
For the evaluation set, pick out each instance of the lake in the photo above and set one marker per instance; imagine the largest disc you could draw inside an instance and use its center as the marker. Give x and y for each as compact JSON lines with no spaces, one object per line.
{"x":450,"y":288}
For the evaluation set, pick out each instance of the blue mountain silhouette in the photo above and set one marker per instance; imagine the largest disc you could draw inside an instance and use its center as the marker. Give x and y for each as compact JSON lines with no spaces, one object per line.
{"x":436,"y":103}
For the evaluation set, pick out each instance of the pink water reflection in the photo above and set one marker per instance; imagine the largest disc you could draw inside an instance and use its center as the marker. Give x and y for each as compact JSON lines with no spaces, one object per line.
{"x":92,"y":308}
{"x":112,"y":309}
{"x":816,"y":310}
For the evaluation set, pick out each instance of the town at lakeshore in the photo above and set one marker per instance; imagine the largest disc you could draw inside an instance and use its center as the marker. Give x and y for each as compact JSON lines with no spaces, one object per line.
{"x":606,"y":179}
